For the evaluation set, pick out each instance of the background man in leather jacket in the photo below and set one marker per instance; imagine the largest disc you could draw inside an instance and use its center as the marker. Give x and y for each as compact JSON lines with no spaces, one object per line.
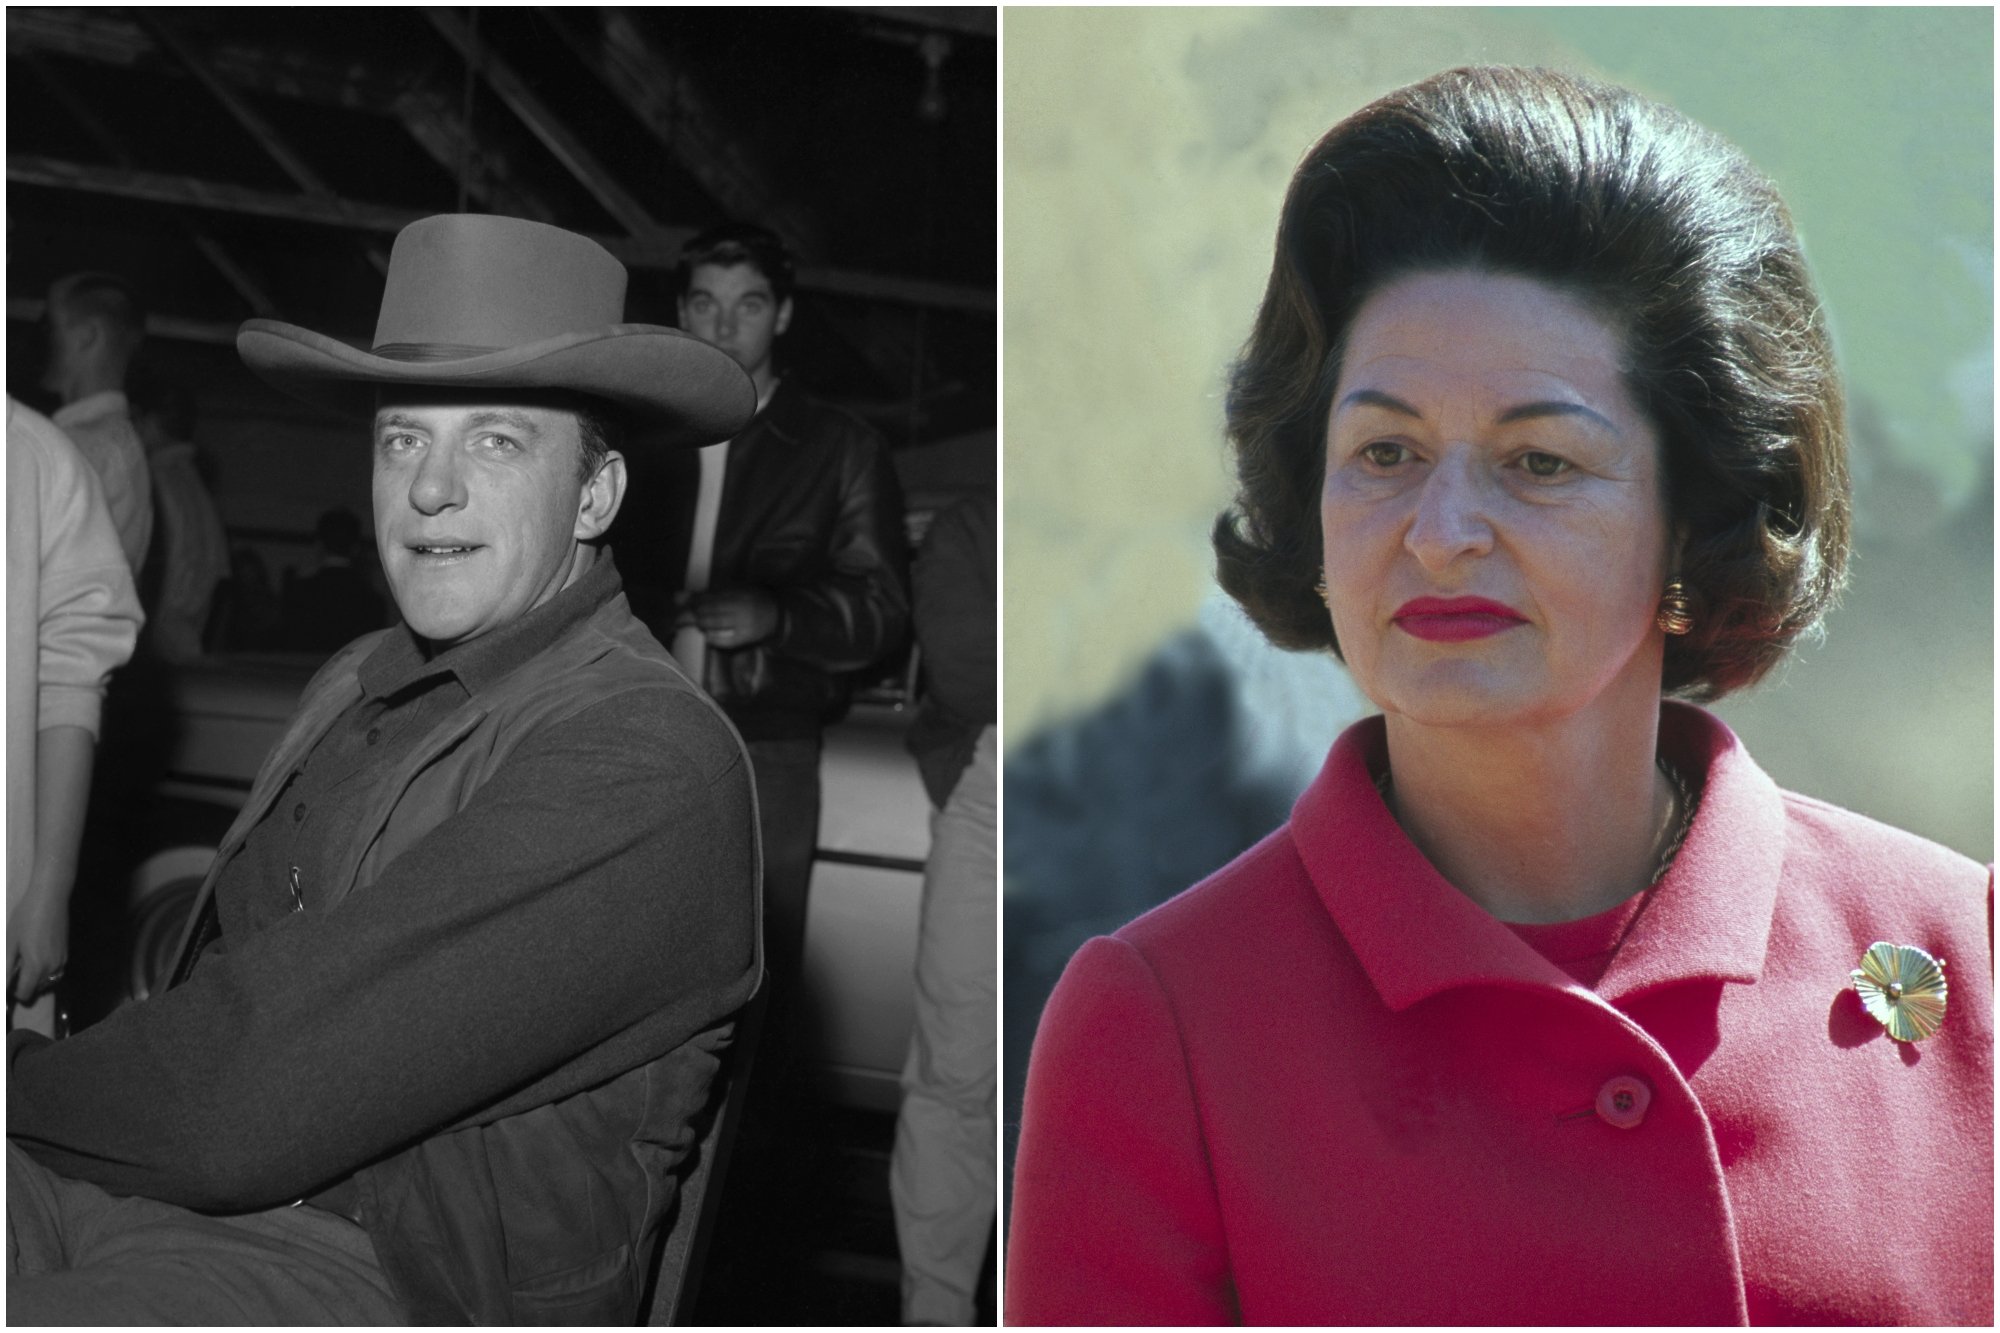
{"x":456,"y":986}
{"x":774,"y":564}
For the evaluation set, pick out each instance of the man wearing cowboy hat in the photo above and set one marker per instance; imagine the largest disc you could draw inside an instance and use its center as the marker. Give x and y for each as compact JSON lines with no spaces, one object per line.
{"x":457,"y":982}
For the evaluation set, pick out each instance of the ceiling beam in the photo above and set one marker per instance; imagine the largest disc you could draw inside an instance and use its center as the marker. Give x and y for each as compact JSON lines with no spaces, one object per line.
{"x":88,"y":35}
{"x":661,"y":96}
{"x":568,"y":147}
{"x":658,"y":251}
{"x":440,"y":130}
{"x":239,"y":278}
{"x":98,"y":36}
{"x":254,"y":124}
{"x":972,"y":20}
{"x":219,"y":333}
{"x":188,"y":192}
{"x":658,"y":93}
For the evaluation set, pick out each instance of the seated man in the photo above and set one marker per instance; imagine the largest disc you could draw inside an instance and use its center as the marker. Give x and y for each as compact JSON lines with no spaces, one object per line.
{"x":457,"y":982}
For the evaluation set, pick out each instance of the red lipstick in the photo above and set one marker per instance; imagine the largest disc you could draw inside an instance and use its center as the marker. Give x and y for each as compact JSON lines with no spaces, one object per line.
{"x":1454,"y":619}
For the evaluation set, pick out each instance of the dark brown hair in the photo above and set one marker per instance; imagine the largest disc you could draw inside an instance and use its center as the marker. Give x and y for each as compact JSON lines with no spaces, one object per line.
{"x":1660,"y":226}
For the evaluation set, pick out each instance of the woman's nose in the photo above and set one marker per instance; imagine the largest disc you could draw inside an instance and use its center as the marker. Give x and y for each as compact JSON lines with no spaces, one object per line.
{"x":1451,"y":518}
{"x":438,"y":484}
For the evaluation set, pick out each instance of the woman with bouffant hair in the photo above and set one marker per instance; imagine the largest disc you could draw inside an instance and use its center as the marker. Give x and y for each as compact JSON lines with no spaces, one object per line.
{"x":1546,"y":1005}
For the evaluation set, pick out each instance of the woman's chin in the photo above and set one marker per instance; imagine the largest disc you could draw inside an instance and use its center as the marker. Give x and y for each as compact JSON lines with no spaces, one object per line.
{"x":1464,"y":698}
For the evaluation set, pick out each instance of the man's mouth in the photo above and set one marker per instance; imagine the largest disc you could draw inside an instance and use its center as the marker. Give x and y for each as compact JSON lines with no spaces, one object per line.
{"x":442,"y":550}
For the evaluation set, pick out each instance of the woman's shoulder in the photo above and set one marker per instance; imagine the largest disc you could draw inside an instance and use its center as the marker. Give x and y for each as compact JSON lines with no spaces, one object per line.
{"x":1881,"y":880}
{"x":1235,"y":902}
{"x":1843,"y":845}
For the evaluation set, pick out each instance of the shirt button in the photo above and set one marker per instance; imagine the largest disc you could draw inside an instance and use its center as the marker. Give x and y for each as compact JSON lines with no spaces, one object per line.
{"x":1622,"y":1101}
{"x":374,"y":734}
{"x":299,"y":812}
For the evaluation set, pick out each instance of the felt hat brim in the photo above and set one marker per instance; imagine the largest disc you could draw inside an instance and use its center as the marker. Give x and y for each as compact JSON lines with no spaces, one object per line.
{"x":677,"y":389}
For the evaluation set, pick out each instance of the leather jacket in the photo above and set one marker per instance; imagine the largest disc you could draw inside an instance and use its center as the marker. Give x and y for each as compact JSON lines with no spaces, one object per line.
{"x":812,"y":515}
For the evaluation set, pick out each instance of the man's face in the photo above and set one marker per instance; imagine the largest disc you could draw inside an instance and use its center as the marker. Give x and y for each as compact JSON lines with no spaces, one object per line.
{"x":479,"y":510}
{"x":732,"y":306}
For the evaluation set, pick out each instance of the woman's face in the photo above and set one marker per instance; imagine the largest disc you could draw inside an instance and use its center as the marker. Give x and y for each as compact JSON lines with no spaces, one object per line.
{"x":1495,"y":531}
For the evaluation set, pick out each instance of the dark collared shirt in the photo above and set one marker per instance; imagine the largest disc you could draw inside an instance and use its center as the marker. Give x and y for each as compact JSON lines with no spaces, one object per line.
{"x":526,"y":929}
{"x":407,"y":689}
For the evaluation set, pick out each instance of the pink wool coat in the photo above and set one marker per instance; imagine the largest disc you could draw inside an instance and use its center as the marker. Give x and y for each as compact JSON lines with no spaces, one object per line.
{"x":1324,"y":1087}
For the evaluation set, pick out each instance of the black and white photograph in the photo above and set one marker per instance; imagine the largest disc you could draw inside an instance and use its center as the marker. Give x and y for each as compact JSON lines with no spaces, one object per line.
{"x":502,"y":682}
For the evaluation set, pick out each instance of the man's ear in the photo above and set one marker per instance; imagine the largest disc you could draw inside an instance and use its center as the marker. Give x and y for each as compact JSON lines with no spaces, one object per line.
{"x":784,"y":317}
{"x":602,"y":495}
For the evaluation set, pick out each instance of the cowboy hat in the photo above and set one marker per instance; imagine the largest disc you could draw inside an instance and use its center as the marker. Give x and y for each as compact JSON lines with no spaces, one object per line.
{"x":476,"y":301}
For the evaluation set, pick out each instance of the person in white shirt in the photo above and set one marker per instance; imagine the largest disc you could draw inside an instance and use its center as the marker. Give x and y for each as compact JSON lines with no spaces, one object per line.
{"x":95,"y":325}
{"x":72,"y":618}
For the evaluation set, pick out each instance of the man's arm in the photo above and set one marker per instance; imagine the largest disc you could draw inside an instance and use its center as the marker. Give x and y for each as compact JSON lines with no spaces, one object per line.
{"x":38,"y":921}
{"x":601,"y":880}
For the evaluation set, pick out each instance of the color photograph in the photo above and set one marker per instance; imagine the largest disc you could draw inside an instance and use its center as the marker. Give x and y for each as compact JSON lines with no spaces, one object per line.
{"x":1498,"y":676}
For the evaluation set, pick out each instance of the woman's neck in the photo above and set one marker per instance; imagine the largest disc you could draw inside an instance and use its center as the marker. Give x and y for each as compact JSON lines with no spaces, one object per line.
{"x":1536,"y":824}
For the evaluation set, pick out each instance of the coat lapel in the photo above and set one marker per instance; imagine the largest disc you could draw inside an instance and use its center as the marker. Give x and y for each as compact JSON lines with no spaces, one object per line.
{"x":1417,"y":936}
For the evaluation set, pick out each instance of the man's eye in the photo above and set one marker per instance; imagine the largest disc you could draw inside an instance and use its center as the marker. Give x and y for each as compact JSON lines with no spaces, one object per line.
{"x":1384,"y":453}
{"x":1538,"y":464}
{"x":502,"y":442}
{"x":399,"y":440}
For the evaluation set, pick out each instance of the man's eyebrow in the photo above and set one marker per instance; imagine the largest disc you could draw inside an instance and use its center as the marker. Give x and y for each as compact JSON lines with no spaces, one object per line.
{"x":1520,"y":412}
{"x":511,"y":418}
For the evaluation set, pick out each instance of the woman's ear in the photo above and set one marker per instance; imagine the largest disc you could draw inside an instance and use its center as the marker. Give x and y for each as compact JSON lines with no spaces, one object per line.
{"x":602,"y":495}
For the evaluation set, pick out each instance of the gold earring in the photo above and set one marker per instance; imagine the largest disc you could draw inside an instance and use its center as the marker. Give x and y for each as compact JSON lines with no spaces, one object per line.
{"x":1320,"y":588}
{"x":1676,"y":613}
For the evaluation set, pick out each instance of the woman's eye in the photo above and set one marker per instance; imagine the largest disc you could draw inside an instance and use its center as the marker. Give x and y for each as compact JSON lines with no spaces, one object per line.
{"x":1538,"y":464}
{"x":1384,"y":453}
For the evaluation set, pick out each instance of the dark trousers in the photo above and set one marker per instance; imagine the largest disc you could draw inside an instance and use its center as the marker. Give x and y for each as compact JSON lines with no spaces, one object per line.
{"x":788,"y":819}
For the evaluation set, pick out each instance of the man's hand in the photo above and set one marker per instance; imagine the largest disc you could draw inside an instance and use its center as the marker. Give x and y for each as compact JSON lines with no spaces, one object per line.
{"x":736,"y":617}
{"x":37,"y":945}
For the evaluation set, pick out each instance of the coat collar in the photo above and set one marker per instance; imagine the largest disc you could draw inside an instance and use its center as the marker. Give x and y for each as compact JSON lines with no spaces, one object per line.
{"x":1416,"y":936}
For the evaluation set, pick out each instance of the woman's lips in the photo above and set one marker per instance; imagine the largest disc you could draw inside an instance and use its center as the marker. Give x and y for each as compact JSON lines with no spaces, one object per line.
{"x":1454,"y":619}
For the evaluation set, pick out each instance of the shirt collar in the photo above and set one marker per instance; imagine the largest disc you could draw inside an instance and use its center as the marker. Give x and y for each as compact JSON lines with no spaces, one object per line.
{"x":402,"y":658}
{"x":101,"y":404}
{"x":1416,"y":936}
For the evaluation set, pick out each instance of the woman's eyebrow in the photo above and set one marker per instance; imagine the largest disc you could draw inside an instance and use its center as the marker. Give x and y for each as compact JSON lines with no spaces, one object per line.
{"x":1520,"y":412}
{"x":1528,"y":411}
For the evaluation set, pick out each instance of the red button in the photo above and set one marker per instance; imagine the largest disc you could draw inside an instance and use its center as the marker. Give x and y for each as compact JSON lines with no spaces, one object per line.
{"x":1623,"y":1101}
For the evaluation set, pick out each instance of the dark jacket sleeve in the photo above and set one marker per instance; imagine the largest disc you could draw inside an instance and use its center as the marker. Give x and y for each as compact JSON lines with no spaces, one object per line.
{"x":954,"y":589}
{"x":856,"y":611}
{"x":597,"y":882}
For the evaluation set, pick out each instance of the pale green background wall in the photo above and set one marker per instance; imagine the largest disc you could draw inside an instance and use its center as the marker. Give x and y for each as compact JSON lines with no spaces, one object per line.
{"x":1146,"y":152}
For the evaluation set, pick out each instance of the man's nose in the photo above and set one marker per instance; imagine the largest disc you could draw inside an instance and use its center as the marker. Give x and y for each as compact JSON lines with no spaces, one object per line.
{"x":1452,"y":517}
{"x":439,"y":482}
